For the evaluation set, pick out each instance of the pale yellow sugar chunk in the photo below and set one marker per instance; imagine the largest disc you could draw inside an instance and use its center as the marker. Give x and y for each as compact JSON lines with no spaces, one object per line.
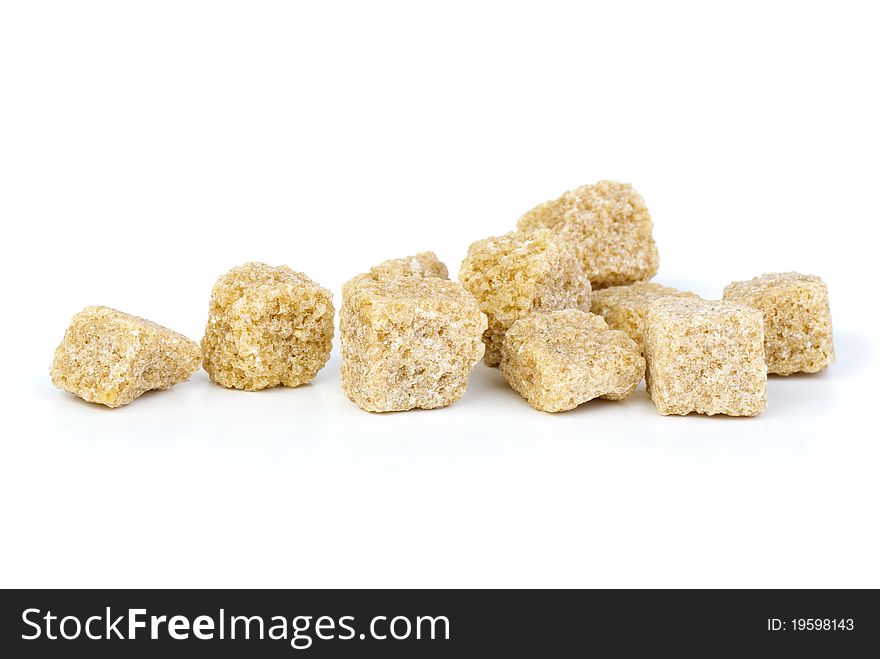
{"x":609,"y":227}
{"x":111,"y":358}
{"x":561,"y":359}
{"x":267,"y":326}
{"x":705,"y":356}
{"x":408,"y":343}
{"x":518,"y":273}
{"x":423,"y":264}
{"x":797,"y":320}
{"x":623,"y":307}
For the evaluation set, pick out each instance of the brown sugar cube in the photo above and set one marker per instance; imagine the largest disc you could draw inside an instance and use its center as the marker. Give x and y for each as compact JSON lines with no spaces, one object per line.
{"x":111,"y":358}
{"x":561,"y":359}
{"x":623,"y":307}
{"x":518,"y":273}
{"x":797,"y":320}
{"x":609,"y":227}
{"x":705,"y":356}
{"x":267,"y":326}
{"x":408,"y":343}
{"x":423,"y":264}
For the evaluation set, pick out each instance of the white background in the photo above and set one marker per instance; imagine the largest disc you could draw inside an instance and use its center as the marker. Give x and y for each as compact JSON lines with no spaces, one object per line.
{"x":146,"y":148}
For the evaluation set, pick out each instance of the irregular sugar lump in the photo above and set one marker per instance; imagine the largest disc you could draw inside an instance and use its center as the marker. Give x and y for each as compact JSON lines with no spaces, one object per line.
{"x":797,"y":320}
{"x":623,"y":307}
{"x":518,"y":273}
{"x":408,"y":343}
{"x":561,"y":359}
{"x":267,"y":326}
{"x":609,"y":227}
{"x":705,"y":356}
{"x":423,"y":264}
{"x":110,"y":357}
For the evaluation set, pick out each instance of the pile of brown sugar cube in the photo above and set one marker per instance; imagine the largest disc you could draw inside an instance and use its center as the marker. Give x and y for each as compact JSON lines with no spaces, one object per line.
{"x":563,"y":306}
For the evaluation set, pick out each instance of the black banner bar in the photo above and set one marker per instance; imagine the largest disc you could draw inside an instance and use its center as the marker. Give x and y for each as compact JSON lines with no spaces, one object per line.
{"x":437,"y":623}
